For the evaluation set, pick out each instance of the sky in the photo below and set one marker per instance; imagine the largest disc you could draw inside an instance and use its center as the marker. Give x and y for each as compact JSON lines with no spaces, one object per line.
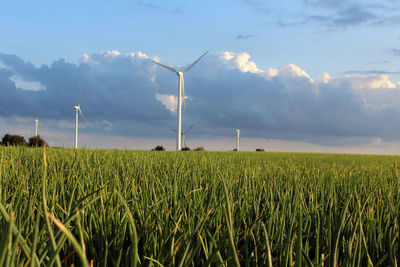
{"x":305,"y":75}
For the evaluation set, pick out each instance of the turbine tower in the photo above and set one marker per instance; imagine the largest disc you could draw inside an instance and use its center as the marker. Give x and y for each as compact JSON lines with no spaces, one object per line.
{"x":77,"y":109}
{"x":237,"y":139}
{"x":181,"y":94}
{"x":36,"y":127}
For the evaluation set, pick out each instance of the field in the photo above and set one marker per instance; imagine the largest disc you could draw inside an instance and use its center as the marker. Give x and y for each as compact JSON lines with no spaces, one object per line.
{"x":128,"y":208}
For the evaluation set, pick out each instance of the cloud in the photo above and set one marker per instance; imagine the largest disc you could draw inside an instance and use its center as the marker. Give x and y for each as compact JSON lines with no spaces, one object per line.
{"x":128,"y":95}
{"x":147,"y":4}
{"x":343,"y":17}
{"x":379,"y":62}
{"x":371,"y":72}
{"x":169,"y":101}
{"x":118,"y":87}
{"x":258,"y":6}
{"x":395,"y":52}
{"x":284,"y":24}
{"x":26,"y":85}
{"x":353,"y":15}
{"x":362,"y":81}
{"x":245,"y":36}
{"x":326,"y":3}
{"x":177,"y":11}
{"x":342,"y":14}
{"x":240,"y":61}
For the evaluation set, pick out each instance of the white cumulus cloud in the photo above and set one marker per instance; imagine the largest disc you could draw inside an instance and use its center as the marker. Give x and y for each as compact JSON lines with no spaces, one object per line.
{"x":169,"y":101}
{"x":240,"y":61}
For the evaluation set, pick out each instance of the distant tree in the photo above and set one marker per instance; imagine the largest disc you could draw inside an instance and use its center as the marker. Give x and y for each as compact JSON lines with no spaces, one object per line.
{"x":200,"y":148}
{"x":260,"y":149}
{"x":186,"y":148}
{"x":234,"y":149}
{"x":13,"y":140}
{"x":36,"y":141}
{"x":158,"y":148}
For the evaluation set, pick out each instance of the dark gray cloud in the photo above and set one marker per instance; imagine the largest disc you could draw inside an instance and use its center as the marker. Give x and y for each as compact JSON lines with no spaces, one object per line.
{"x":344,"y":17}
{"x":353,"y":15}
{"x":129,"y":95}
{"x":245,"y":36}
{"x":285,"y":24}
{"x":379,"y":62}
{"x":257,"y":5}
{"x":368,"y":72}
{"x":395,"y":51}
{"x":289,"y":105}
{"x":149,"y":4}
{"x":342,"y":14}
{"x":326,"y":3}
{"x":177,"y":11}
{"x":115,"y":87}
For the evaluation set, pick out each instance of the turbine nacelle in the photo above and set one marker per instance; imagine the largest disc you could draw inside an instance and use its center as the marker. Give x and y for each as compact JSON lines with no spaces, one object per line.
{"x":180,"y":73}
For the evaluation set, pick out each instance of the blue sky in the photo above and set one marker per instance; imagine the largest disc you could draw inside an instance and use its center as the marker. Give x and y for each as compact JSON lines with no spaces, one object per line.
{"x":308,"y":75}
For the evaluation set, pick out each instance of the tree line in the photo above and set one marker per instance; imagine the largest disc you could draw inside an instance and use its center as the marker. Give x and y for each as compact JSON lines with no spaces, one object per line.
{"x":38,"y":141}
{"x":18,"y":140}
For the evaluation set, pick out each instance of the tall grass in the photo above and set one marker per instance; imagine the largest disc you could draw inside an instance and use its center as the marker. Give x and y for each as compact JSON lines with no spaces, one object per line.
{"x":124,"y":208}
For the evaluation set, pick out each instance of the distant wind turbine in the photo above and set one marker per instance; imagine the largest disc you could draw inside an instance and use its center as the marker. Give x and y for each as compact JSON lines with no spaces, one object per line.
{"x":77,"y":109}
{"x":184,"y":135}
{"x":238,"y":136}
{"x":36,"y":126}
{"x":181,"y":94}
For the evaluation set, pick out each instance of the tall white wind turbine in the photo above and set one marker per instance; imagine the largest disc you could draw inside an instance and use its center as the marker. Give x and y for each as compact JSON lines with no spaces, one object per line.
{"x":181,"y":94}
{"x":36,"y":127}
{"x":77,"y":109}
{"x":238,"y":136}
{"x":237,"y":139}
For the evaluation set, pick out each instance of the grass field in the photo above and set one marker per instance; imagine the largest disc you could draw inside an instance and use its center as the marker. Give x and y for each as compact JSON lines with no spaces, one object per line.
{"x":123,"y":208}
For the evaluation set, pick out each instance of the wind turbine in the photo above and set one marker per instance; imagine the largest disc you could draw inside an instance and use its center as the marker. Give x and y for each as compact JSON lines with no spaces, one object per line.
{"x":184,"y":135}
{"x":238,"y":136}
{"x":77,"y":109}
{"x":181,"y":94}
{"x":36,"y":126}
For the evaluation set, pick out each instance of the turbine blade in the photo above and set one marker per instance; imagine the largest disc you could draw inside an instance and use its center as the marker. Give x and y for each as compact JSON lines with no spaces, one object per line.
{"x":194,"y":63}
{"x":188,"y":129}
{"x":80,"y":111}
{"x":80,"y":100}
{"x":184,"y":140}
{"x":167,"y":67}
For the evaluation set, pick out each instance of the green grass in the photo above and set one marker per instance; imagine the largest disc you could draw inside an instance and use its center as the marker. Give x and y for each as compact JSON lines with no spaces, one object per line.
{"x":128,"y":208}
